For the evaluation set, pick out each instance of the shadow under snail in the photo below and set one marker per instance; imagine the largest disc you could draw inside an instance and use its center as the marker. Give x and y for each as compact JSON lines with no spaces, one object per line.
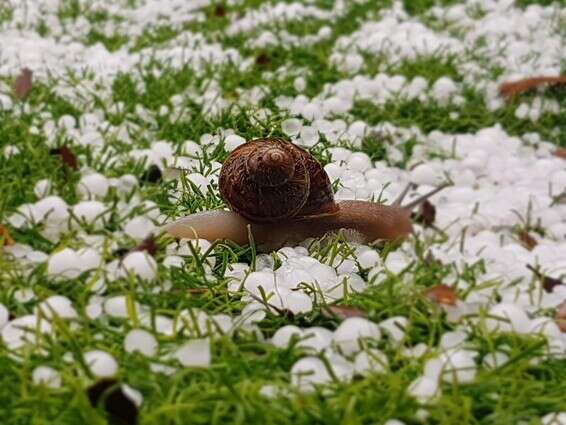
{"x":280,"y":193}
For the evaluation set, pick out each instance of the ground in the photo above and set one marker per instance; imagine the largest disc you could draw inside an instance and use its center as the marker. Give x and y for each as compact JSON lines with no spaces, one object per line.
{"x":130,"y":111}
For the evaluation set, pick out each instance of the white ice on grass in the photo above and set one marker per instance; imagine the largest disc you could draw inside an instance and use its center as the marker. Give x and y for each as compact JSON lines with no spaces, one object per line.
{"x":195,"y":353}
{"x":309,"y":372}
{"x":47,"y":376}
{"x":141,"y":341}
{"x":500,"y":179}
{"x":141,"y":264}
{"x":101,"y":363}
{"x":555,"y":418}
{"x":353,"y":332}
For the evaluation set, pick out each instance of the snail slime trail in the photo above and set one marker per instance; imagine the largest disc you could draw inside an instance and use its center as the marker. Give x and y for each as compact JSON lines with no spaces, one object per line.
{"x":282,"y":193}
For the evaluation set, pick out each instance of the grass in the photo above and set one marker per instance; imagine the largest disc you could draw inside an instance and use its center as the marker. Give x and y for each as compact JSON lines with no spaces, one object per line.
{"x":229,"y":391}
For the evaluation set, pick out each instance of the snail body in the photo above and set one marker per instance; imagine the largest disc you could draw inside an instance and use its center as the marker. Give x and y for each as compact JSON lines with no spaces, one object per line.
{"x":281,"y":195}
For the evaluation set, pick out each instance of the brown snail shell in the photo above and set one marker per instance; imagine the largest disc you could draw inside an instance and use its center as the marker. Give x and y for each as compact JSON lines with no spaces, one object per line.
{"x":271,"y":179}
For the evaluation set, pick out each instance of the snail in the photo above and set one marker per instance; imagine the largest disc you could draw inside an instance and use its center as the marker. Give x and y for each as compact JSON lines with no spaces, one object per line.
{"x":280,"y":194}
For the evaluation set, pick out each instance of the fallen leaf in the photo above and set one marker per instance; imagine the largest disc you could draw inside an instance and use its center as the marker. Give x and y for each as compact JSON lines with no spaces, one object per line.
{"x":548,"y":283}
{"x":262,"y":59}
{"x":442,"y":294}
{"x":527,"y":240}
{"x":23,"y":84}
{"x":67,"y":156}
{"x":152,"y":174}
{"x":5,"y":236}
{"x":560,"y":153}
{"x":560,"y":317}
{"x":342,"y":312}
{"x":148,"y":245}
{"x":511,"y":89}
{"x":219,"y":11}
{"x":197,"y":291}
{"x":120,"y":408}
{"x":426,"y":214}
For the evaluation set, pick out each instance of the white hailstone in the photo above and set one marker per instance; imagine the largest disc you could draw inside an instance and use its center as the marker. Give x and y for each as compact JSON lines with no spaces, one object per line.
{"x":264,"y":261}
{"x":316,"y":338}
{"x":256,"y":280}
{"x":47,"y":376}
{"x":359,"y":161}
{"x":22,"y":330}
{"x":283,"y":336}
{"x":173,"y":261}
{"x":505,"y":317}
{"x":543,"y":325}
{"x":415,"y":352}
{"x":396,"y":262}
{"x":93,"y":186}
{"x":93,"y":310}
{"x":299,"y":84}
{"x":67,"y":122}
{"x":232,"y":141}
{"x":201,"y":182}
{"x":309,"y":372}
{"x":24,"y":295}
{"x":424,"y":389}
{"x":91,"y":212}
{"x":58,"y":306}
{"x":64,"y":264}
{"x":127,"y":183}
{"x":342,"y":369}
{"x":452,"y":339}
{"x":134,"y":395}
{"x":52,"y":208}
{"x":555,"y":418}
{"x":141,"y":341}
{"x":141,"y":264}
{"x":347,"y":336}
{"x":297,"y":302}
{"x":42,"y":188}
{"x":495,"y":360}
{"x":291,"y":126}
{"x":4,"y":315}
{"x":334,"y":171}
{"x":222,"y":323}
{"x":424,"y":174}
{"x":10,"y":151}
{"x":139,"y":228}
{"x":195,"y":353}
{"x":192,"y":148}
{"x":395,"y":327}
{"x":443,"y":90}
{"x":370,"y":361}
{"x":309,"y":136}
{"x":117,"y":306}
{"x":89,"y":258}
{"x":101,"y":363}
{"x":253,"y":312}
{"x":458,"y":366}
{"x":368,"y":259}
{"x":394,"y":422}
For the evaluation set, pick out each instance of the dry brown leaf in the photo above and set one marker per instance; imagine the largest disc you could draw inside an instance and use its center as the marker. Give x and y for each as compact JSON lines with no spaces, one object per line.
{"x":148,"y":245}
{"x":560,"y":317}
{"x":67,"y":156}
{"x":517,"y":87}
{"x":427,"y":214}
{"x":548,"y":283}
{"x":342,"y":312}
{"x":23,"y":84}
{"x":219,"y":11}
{"x":527,"y":240}
{"x":5,"y":236}
{"x":442,"y":294}
{"x":560,"y":153}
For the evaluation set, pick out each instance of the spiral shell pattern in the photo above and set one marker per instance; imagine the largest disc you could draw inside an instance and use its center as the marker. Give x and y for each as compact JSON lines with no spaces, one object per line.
{"x":267,"y":180}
